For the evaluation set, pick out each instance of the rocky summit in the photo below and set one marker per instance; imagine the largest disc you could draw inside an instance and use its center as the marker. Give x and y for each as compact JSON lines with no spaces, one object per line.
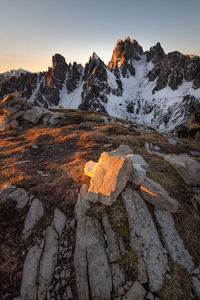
{"x":93,"y":206}
{"x":151,"y":88}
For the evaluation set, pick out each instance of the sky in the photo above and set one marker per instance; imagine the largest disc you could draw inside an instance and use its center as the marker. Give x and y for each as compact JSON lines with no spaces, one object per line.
{"x":34,"y":30}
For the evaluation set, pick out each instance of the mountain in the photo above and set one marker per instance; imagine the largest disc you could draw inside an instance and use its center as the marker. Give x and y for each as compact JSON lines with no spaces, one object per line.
{"x":152,"y":88}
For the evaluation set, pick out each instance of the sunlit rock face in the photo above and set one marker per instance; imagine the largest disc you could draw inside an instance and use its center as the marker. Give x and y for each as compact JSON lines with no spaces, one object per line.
{"x":123,"y":55}
{"x":110,"y":177}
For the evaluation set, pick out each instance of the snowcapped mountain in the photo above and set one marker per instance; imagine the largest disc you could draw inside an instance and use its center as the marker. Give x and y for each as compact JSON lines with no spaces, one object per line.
{"x":152,"y":88}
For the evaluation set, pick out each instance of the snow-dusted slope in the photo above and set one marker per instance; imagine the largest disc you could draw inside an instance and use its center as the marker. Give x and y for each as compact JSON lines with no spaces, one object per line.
{"x":138,"y":102}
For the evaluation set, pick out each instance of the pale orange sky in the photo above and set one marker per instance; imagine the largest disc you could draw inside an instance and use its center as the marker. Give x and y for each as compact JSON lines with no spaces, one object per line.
{"x":34,"y":30}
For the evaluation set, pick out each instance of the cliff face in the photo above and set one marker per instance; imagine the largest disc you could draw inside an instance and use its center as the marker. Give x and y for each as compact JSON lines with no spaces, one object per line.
{"x":146,"y":87}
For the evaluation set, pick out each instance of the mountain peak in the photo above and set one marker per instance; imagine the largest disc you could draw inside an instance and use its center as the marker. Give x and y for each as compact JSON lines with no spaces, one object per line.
{"x":124,"y":51}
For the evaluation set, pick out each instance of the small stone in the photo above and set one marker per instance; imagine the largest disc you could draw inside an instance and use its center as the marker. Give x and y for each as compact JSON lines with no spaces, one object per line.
{"x":107,"y":145}
{"x":196,"y":271}
{"x":150,"y":296}
{"x":168,"y":277}
{"x":62,"y":274}
{"x":63,"y":282}
{"x":72,"y":223}
{"x":57,"y":286}
{"x":129,"y":283}
{"x":68,"y":294}
{"x":56,"y":276}
{"x":136,"y":292}
{"x":59,"y":221}
{"x":35,"y":147}
{"x":168,"y":269}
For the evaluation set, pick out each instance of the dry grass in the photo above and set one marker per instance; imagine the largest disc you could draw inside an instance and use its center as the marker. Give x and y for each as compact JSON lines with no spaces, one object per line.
{"x":129,"y":264}
{"x":178,"y":287}
{"x":118,"y":218}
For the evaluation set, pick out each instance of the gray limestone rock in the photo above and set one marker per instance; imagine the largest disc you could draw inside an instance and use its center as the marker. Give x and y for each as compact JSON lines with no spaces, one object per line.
{"x":196,"y":286}
{"x":98,"y":267}
{"x":142,"y":275}
{"x":20,"y":196}
{"x":187,"y":167}
{"x":118,"y":277}
{"x":114,"y":252}
{"x":80,"y":259}
{"x":5,"y":191}
{"x":35,"y":212}
{"x":138,"y":160}
{"x":136,"y":292}
{"x":174,"y":243}
{"x":30,"y":274}
{"x":59,"y":221}
{"x":160,"y":197}
{"x":123,"y":149}
{"x":34,"y":114}
{"x":145,"y":239}
{"x":48,"y":262}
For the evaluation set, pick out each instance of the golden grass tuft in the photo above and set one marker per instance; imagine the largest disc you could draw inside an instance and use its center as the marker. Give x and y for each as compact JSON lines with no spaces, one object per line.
{"x":178,"y":287}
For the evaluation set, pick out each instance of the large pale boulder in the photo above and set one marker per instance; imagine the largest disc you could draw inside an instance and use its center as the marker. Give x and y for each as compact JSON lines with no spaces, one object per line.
{"x":110,"y":177}
{"x":156,"y":195}
{"x":188,"y":168}
{"x":34,"y":114}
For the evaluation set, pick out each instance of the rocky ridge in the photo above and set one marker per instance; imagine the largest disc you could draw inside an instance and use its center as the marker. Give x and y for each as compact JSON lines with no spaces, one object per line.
{"x":152,"y":88}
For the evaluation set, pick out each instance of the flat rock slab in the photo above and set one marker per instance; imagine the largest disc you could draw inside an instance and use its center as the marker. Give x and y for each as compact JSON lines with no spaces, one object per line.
{"x":47,"y":262}
{"x":111,"y":175}
{"x":173,"y":242}
{"x":30,"y":274}
{"x":145,"y":239}
{"x":188,"y":168}
{"x":93,"y":275}
{"x":160,"y":197}
{"x":98,"y":267}
{"x":35,"y":212}
{"x":80,"y":259}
